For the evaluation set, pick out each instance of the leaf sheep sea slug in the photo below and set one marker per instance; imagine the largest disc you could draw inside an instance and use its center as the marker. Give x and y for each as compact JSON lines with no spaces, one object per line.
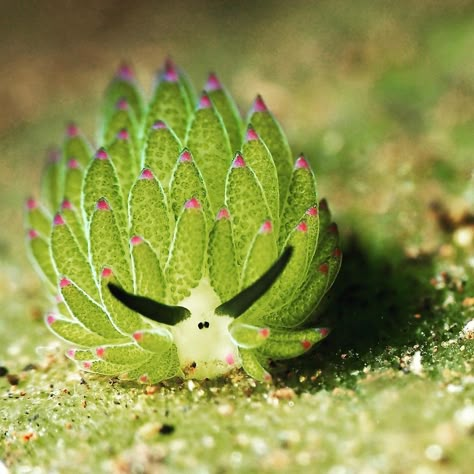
{"x":190,"y":244}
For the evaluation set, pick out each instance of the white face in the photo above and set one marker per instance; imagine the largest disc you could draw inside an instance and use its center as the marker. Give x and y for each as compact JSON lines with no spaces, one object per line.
{"x":205,"y":347}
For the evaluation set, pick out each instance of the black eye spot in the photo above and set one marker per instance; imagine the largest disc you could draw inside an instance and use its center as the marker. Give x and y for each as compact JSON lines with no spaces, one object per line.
{"x":206,"y":324}
{"x":193,"y":365}
{"x":200,"y":325}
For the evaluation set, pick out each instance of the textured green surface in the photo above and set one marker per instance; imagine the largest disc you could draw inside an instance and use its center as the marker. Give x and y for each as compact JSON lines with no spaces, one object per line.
{"x":378,"y":96}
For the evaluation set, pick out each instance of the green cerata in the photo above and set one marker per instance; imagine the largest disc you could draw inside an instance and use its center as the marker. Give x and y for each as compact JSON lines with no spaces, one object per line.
{"x":190,"y":244}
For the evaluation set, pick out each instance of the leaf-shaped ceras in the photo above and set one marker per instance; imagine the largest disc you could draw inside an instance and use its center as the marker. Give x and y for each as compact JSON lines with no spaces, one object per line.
{"x":191,"y":243}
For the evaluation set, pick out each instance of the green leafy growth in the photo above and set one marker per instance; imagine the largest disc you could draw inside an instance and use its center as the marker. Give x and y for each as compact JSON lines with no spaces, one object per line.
{"x":126,"y":164}
{"x":300,"y":197}
{"x":187,"y":181}
{"x":149,"y":278}
{"x":259,"y":158}
{"x":246,"y":203}
{"x":262,"y":254}
{"x":161,"y":150}
{"x":124,"y":319}
{"x":72,"y":216}
{"x":247,"y":336}
{"x":73,"y":180}
{"x":107,"y":247}
{"x":101,"y":182}
{"x":122,"y":118}
{"x":223,"y":270}
{"x":159,"y":367}
{"x":187,"y":256}
{"x":123,"y":87}
{"x":125,"y":354}
{"x":37,"y":218}
{"x":74,"y":332}
{"x":271,"y":133}
{"x":170,"y":102}
{"x":156,"y":340}
{"x":149,"y":216}
{"x":39,"y":251}
{"x":51,"y":180}
{"x":88,"y":312}
{"x":76,"y":146}
{"x":227,"y":109}
{"x":69,"y":259}
{"x":209,"y":142}
{"x":285,"y":344}
{"x":252,"y":365}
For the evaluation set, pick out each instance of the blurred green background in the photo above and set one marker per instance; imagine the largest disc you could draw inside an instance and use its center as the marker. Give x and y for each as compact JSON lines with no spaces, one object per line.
{"x":380,"y":97}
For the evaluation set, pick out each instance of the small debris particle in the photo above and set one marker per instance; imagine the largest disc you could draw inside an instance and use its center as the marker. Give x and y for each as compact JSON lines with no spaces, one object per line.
{"x":285,"y":393}
{"x":149,"y":430}
{"x":68,"y":425}
{"x":468,"y":330}
{"x":464,"y":418}
{"x":28,"y":436}
{"x":468,"y":302}
{"x":434,"y":452}
{"x":415,"y":365}
{"x":225,"y":410}
{"x":13,"y":379}
{"x":151,"y":389}
{"x":29,"y":367}
{"x":167,"y":429}
{"x":3,"y":371}
{"x":417,"y":316}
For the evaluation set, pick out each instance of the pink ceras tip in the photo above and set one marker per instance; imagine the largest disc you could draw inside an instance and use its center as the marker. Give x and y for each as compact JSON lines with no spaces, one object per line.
{"x":32,"y":234}
{"x":146,"y":174}
{"x":223,"y":214}
{"x":171,"y":72}
{"x":259,"y":105}
{"x":66,"y":205}
{"x":106,"y":272}
{"x":58,"y":219}
{"x":158,"y":125}
{"x":59,"y":298}
{"x":301,"y":162}
{"x":193,"y":203}
{"x":266,"y":227}
{"x":324,"y":268}
{"x":100,"y":351}
{"x":324,"y":332}
{"x":122,"y":104}
{"x":136,"y":240}
{"x":204,"y":102}
{"x":87,"y":365}
{"x":125,"y":72}
{"x":229,"y":358}
{"x":302,"y":226}
{"x":73,"y":164}
{"x":31,"y":204}
{"x":323,"y":205}
{"x":337,"y":252}
{"x":333,"y":228}
{"x":144,"y":378}
{"x":306,"y":344}
{"x":71,"y":353}
{"x":123,"y":134}
{"x":312,"y":211}
{"x":264,"y":333}
{"x":54,"y":155}
{"x":251,"y":135}
{"x":185,"y":156}
{"x":64,"y":282}
{"x":72,"y":130}
{"x":101,"y":154}
{"x":50,"y":319}
{"x":238,"y":162}
{"x":138,"y":336}
{"x":213,"y":83}
{"x":102,"y":205}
